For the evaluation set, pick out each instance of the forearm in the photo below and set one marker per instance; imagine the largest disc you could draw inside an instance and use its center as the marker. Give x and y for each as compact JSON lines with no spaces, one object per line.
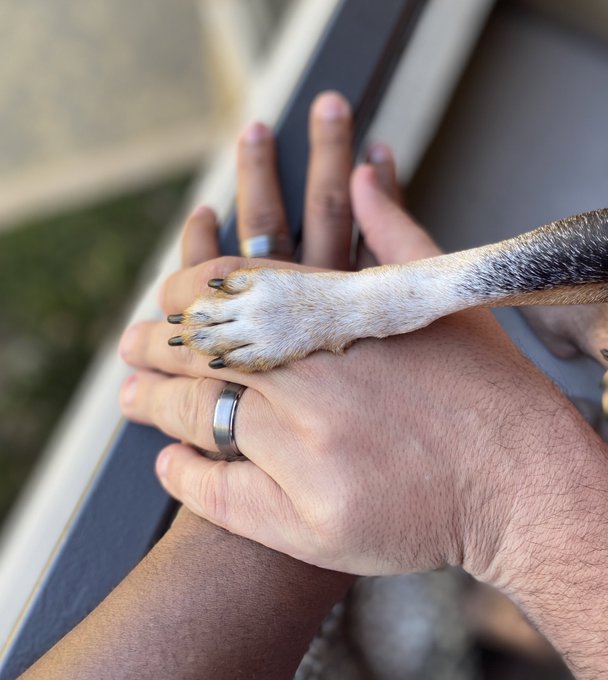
{"x":553,"y":557}
{"x":203,"y":603}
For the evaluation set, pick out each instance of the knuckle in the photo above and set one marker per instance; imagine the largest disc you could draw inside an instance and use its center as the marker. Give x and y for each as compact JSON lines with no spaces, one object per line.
{"x":220,"y":267}
{"x":327,"y":438}
{"x":168,"y":398}
{"x":331,"y":205}
{"x":183,"y":356}
{"x":329,"y":522}
{"x":212,"y":493}
{"x":268,"y":222}
{"x":158,"y":408}
{"x":192,"y":410}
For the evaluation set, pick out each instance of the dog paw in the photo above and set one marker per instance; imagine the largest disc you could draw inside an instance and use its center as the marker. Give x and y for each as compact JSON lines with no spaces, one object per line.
{"x":262,"y":318}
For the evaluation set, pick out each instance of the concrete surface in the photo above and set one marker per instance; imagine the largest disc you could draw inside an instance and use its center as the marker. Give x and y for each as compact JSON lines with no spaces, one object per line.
{"x":98,"y":97}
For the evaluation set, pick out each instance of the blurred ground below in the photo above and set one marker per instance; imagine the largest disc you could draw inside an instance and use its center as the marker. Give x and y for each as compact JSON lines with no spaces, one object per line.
{"x":97,"y":99}
{"x":107,"y":110}
{"x":102,"y":98}
{"x":64,"y":283}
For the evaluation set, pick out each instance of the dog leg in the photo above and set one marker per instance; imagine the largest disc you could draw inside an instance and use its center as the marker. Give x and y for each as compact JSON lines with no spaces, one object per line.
{"x":261,"y":318}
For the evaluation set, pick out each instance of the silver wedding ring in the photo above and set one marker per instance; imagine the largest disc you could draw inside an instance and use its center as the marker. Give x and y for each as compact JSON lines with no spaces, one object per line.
{"x":223,"y":421}
{"x":266,"y":245}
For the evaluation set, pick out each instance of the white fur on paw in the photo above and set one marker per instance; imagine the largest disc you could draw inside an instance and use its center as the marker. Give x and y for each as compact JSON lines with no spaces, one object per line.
{"x":261,"y":318}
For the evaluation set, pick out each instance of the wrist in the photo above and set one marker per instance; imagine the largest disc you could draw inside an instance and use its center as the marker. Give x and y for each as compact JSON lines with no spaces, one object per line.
{"x":551,"y":548}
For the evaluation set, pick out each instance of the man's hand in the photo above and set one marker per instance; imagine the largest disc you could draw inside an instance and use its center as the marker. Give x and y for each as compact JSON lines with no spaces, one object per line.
{"x":444,"y":446}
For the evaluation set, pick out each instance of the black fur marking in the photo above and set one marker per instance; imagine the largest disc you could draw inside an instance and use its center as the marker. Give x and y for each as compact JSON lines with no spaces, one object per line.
{"x":569,"y":252}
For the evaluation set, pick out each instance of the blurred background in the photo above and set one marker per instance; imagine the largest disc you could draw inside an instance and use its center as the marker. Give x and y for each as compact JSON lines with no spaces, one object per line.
{"x":108,"y":111}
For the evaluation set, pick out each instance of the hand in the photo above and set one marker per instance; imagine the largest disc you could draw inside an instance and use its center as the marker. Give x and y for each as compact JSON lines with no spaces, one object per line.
{"x":443,"y":446}
{"x":376,"y":190}
{"x":340,"y":468}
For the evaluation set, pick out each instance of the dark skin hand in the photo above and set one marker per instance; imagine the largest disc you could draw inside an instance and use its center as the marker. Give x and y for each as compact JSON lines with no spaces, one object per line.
{"x":203,"y":604}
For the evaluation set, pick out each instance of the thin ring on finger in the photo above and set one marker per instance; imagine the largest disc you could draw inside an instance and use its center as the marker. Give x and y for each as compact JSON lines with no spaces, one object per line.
{"x":262,"y":223}
{"x":266,"y":246}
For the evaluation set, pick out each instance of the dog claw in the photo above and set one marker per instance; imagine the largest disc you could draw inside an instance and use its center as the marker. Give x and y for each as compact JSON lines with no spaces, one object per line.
{"x":218,"y":362}
{"x":215,"y":283}
{"x":176,"y":341}
{"x":175,"y":318}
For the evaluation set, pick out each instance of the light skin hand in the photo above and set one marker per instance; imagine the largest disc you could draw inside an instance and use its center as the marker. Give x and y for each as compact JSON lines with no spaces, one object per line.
{"x":308,"y":488}
{"x":301,"y":425}
{"x":441,"y":447}
{"x":348,"y":466}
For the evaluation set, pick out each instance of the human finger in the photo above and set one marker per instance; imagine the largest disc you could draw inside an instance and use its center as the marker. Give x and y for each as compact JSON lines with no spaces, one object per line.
{"x":238,"y":496}
{"x":327,"y":215}
{"x":260,"y":209}
{"x":381,"y":158}
{"x":199,"y":238}
{"x":145,"y":346}
{"x":181,"y":288}
{"x":184,"y":408}
{"x":390,"y":233}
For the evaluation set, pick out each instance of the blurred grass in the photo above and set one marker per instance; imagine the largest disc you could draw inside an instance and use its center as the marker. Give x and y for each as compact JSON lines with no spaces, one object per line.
{"x":63,"y":282}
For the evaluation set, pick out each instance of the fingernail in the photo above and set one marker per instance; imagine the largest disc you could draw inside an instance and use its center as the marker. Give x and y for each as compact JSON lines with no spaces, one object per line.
{"x":176,"y":341}
{"x":127,"y":341}
{"x":162,"y":463}
{"x":378,"y":154}
{"x":128,"y":391}
{"x":202,"y":211}
{"x":255,"y":133}
{"x":332,"y":106}
{"x":217,"y":363}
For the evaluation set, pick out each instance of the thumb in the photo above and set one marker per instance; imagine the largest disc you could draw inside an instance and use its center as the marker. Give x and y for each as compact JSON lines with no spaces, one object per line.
{"x":390,"y":233}
{"x":237,"y":496}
